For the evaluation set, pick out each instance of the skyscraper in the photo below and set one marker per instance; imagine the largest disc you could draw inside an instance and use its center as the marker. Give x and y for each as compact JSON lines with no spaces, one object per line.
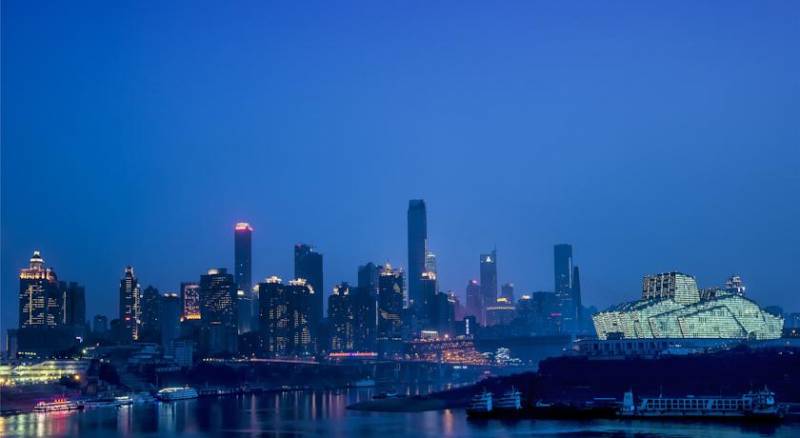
{"x":576,"y":296}
{"x":368,"y":277}
{"x":149,"y":327}
{"x":488,"y":280}
{"x":365,"y":314}
{"x":130,"y":308}
{"x":284,"y":315}
{"x":308,"y":266}
{"x":39,"y":297}
{"x":425,"y":307}
{"x":219,"y":312}
{"x":74,"y":305}
{"x":242,"y":254}
{"x":390,"y":308}
{"x":190,"y":299}
{"x":562,"y":268}
{"x":417,"y":245}
{"x":169,"y":320}
{"x":342,"y":318}
{"x":443,"y":313}
{"x":474,"y":301}
{"x":562,"y":272}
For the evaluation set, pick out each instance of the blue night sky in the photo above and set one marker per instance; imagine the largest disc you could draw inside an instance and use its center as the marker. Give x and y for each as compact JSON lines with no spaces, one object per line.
{"x":650,"y":136}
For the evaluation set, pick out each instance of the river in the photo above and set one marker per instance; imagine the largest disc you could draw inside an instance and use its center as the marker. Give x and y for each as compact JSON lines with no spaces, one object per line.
{"x":324,"y":413}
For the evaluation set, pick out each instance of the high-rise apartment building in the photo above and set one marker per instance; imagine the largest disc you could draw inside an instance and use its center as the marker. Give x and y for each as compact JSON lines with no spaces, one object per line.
{"x":308,"y":266}
{"x":488,"y":280}
{"x":285,"y":312}
{"x":219,"y":312}
{"x":39,"y":295}
{"x":475,"y":301}
{"x":130,"y":305}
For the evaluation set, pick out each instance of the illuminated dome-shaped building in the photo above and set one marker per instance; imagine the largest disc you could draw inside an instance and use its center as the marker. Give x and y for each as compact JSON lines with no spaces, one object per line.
{"x":672,"y":307}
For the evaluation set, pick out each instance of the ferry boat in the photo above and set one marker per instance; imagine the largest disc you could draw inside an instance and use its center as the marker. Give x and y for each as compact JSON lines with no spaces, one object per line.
{"x":510,"y":401}
{"x":481,"y":405}
{"x":751,"y":405}
{"x":177,"y":393}
{"x":58,"y":405}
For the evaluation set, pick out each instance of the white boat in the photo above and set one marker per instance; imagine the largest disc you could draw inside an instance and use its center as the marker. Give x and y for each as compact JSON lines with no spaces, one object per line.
{"x":58,"y":405}
{"x":481,"y":404}
{"x":511,"y":400}
{"x":759,"y":404}
{"x":177,"y":393}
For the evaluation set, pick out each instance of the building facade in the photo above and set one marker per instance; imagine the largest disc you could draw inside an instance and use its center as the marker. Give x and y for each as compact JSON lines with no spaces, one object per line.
{"x":671,"y":307}
{"x":488,"y":283}
{"x":242,"y":255}
{"x":169,"y":320}
{"x":566,"y":294}
{"x":308,"y":266}
{"x":674,"y":285}
{"x":475,"y":305}
{"x":149,"y":327}
{"x":40,"y":299}
{"x":130,"y":305}
{"x":190,"y":300}
{"x":390,"y":308}
{"x":285,"y":313}
{"x":502,"y":312}
{"x":417,"y":246}
{"x":218,"y":312}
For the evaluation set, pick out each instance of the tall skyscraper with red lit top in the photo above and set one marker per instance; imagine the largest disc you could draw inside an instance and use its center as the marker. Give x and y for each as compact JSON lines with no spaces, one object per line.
{"x":242,"y":254}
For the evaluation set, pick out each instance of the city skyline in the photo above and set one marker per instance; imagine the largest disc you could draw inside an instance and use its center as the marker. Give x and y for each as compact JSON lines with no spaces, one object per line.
{"x":650,"y":137}
{"x":303,"y":249}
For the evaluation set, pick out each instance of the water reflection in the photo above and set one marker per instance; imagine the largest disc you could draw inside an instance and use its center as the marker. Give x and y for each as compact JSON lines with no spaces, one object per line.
{"x":324,"y":413}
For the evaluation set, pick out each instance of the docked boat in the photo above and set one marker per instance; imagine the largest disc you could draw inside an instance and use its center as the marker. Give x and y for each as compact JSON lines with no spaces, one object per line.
{"x":58,"y":405}
{"x":509,"y":401}
{"x":99,"y":403}
{"x":177,"y":393}
{"x":751,"y":405}
{"x":480,"y":405}
{"x":107,"y":402}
